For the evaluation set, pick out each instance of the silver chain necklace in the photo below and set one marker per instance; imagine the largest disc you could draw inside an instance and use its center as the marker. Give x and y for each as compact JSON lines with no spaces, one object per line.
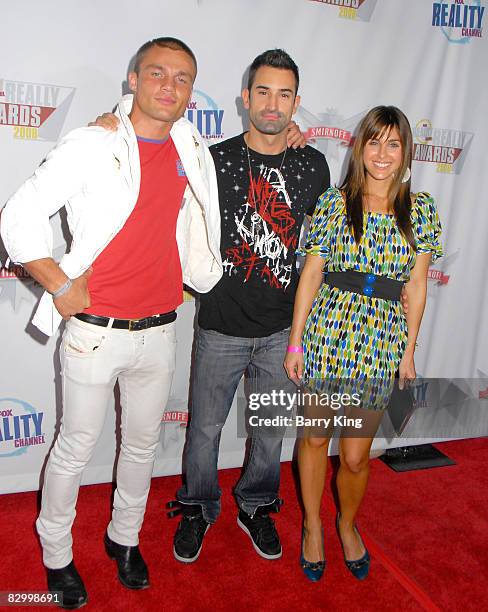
{"x":253,"y":182}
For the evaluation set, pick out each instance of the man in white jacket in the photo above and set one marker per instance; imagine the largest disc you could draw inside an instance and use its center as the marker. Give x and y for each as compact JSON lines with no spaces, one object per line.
{"x":143,"y":210}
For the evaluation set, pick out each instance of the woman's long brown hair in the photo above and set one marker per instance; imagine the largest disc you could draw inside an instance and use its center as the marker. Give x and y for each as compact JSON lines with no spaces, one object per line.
{"x":379,"y":121}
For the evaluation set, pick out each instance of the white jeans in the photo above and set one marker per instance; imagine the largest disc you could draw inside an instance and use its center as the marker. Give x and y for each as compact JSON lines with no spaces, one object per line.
{"x":93,"y":358}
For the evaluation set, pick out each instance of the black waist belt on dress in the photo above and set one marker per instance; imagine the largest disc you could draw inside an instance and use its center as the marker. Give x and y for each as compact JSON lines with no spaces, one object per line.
{"x":130,"y":324}
{"x":371,"y":285}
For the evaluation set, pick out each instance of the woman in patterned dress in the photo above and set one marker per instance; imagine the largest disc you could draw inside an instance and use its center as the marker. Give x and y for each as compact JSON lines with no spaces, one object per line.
{"x":372,"y":225}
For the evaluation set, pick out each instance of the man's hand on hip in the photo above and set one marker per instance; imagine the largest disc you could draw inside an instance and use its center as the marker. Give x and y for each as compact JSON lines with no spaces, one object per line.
{"x":76,"y":299}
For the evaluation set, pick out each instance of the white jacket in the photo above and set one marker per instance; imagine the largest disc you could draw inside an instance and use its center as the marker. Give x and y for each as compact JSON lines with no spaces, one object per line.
{"x":95,"y":174}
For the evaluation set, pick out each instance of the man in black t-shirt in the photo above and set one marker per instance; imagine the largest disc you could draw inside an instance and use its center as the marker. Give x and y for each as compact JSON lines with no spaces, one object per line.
{"x":263,"y":201}
{"x":265,"y":191}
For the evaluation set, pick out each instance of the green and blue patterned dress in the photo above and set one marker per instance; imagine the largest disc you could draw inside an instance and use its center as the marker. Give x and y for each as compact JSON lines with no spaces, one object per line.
{"x":349,"y":336}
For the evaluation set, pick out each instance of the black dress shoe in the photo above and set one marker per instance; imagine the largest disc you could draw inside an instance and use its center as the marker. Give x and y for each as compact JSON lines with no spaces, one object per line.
{"x":67,"y":581}
{"x":132,"y":567}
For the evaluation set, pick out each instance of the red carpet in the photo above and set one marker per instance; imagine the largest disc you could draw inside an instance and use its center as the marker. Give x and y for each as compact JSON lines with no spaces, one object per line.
{"x":426,"y":530}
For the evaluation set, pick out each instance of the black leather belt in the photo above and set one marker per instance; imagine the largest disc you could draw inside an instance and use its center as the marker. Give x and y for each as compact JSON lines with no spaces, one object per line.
{"x":130,"y":324}
{"x":371,"y":285}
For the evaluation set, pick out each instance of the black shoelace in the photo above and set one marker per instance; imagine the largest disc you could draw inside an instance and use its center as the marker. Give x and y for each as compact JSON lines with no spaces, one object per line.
{"x":264,"y":526}
{"x":191,"y":527}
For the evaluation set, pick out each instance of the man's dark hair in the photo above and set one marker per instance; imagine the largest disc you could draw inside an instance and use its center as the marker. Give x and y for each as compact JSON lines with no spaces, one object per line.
{"x":276,"y":58}
{"x":163,"y":42}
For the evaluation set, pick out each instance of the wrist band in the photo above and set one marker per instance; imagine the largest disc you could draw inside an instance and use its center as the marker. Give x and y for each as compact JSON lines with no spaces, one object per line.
{"x":62,"y":290}
{"x":294,"y":349}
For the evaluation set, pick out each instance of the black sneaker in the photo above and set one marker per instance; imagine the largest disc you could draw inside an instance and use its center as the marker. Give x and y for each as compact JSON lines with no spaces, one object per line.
{"x":188,"y":539}
{"x":262,"y":531}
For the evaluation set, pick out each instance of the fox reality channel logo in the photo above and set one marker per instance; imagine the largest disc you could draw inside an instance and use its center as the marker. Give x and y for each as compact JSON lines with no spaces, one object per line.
{"x":459,"y":21}
{"x":34,"y":111}
{"x":205,"y":115}
{"x":356,"y":10}
{"x":446,"y":148}
{"x":20,"y":427}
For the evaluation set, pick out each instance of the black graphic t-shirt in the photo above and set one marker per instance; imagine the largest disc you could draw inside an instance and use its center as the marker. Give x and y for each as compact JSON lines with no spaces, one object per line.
{"x":263,"y":201}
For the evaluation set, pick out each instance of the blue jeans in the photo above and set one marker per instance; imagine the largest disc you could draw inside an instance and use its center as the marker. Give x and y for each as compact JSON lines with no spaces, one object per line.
{"x":220,"y":362}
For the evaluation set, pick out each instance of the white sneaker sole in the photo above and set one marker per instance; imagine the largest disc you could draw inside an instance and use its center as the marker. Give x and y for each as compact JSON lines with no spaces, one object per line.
{"x":193,"y":559}
{"x":256,"y":548}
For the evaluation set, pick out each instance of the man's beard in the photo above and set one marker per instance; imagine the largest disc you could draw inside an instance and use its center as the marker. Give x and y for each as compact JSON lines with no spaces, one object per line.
{"x":265,"y":126}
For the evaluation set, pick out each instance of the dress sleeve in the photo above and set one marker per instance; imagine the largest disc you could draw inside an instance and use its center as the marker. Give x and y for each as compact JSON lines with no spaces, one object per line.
{"x":323,"y":220}
{"x":427,"y":226}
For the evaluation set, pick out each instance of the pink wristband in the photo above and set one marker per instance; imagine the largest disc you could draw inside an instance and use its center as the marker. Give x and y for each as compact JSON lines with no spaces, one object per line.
{"x":294,"y":349}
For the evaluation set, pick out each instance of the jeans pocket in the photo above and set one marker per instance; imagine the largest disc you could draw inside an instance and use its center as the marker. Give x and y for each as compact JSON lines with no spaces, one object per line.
{"x":82,"y":342}
{"x":170,"y":331}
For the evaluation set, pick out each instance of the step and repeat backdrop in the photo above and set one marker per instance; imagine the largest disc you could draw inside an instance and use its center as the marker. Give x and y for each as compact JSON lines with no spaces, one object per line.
{"x":63,"y":62}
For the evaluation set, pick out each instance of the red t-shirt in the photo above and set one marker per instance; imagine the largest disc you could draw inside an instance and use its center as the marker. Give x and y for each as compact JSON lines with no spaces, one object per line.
{"x":138,"y":274}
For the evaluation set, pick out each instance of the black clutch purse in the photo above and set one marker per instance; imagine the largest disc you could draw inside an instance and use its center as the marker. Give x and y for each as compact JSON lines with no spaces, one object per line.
{"x":401,"y":407}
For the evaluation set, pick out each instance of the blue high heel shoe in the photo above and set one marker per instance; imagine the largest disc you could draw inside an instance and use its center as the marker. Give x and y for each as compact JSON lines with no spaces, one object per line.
{"x":312,"y":570}
{"x":359,"y":568}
